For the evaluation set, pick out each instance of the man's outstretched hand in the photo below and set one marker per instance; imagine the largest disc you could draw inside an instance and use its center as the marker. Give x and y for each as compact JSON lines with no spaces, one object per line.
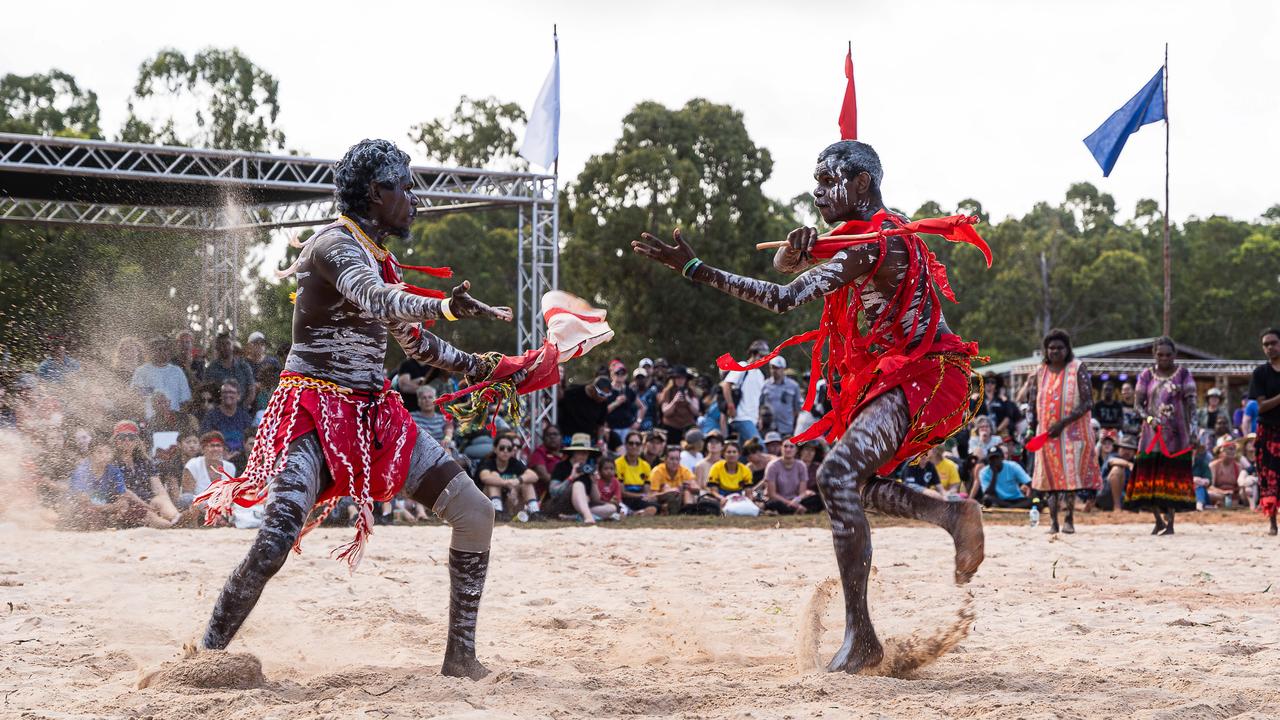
{"x":462,"y":305}
{"x":673,"y":256}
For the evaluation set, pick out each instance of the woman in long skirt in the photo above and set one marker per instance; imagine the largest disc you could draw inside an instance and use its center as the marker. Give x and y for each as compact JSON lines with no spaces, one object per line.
{"x":1166,"y":399}
{"x":1066,"y":464}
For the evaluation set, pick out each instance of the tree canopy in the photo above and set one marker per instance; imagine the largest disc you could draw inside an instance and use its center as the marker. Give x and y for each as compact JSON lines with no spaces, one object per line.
{"x":233,"y":102}
{"x":49,"y":103}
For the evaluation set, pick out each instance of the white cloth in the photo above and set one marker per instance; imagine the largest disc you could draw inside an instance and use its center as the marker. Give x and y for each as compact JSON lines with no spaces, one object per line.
{"x":199,"y":470}
{"x":248,"y":518}
{"x":167,"y":378}
{"x":751,"y":386}
{"x":740,"y":506}
{"x":690,"y":460}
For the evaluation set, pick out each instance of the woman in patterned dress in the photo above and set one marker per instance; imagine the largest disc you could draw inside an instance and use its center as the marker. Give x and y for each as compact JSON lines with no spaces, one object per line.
{"x":1065,"y":465}
{"x":1166,"y":399}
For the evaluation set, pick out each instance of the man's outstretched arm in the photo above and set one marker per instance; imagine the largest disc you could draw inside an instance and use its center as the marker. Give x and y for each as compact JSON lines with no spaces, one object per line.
{"x":843,"y":268}
{"x":430,"y":349}
{"x":341,"y":260}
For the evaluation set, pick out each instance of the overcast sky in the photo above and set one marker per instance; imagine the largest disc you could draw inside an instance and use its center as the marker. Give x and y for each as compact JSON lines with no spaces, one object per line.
{"x":962,"y":99}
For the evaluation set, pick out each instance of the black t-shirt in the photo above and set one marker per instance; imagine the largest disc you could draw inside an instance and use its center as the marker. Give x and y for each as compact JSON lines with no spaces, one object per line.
{"x":1265,"y":385}
{"x":515,"y":468}
{"x":624,"y":414}
{"x":415,"y":369}
{"x":1109,"y":414}
{"x":924,"y":474}
{"x":579,"y":413}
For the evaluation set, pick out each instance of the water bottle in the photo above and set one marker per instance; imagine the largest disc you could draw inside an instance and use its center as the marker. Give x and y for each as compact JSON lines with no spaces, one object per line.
{"x":522,"y":516}
{"x":1035,"y":512}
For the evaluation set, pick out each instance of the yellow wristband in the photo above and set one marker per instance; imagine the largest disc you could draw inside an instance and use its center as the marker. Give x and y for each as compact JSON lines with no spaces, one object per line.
{"x":444,"y":310}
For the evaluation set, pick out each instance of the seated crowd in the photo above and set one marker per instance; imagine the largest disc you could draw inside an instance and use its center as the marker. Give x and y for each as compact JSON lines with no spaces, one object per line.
{"x":133,"y":440}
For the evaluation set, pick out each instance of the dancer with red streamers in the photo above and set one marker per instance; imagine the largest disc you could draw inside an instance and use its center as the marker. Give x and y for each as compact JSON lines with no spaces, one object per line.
{"x":898,"y":387}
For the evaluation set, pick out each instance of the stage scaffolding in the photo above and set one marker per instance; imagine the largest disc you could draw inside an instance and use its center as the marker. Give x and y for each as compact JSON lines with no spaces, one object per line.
{"x":224,"y":194}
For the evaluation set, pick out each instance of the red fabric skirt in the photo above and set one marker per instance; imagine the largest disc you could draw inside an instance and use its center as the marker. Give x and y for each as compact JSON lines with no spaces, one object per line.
{"x":937,"y":387}
{"x":367,"y":439}
{"x":1267,"y":445}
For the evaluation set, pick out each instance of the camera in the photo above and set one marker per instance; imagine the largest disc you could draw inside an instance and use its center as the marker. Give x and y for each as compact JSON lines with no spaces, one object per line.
{"x":588,"y":467}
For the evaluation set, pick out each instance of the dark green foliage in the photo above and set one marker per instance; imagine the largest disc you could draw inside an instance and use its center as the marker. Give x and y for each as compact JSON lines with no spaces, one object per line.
{"x":48,"y":104}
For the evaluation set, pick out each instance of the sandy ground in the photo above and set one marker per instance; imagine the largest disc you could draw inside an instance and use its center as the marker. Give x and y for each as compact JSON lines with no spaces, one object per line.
{"x":719,"y":623}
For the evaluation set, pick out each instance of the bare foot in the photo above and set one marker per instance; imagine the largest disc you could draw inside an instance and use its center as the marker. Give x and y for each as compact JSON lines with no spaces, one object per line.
{"x":855,"y":655}
{"x":966,"y":533}
{"x":467,"y":667}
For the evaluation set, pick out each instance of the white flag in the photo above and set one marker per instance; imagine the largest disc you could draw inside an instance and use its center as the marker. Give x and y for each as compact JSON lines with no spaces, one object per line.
{"x":542,"y":136}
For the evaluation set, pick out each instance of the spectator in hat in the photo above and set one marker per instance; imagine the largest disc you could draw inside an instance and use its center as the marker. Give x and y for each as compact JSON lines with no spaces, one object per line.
{"x":574,"y":487}
{"x":266,"y":369}
{"x":160,"y":374}
{"x":199,"y":473}
{"x":625,"y":411}
{"x":692,"y":445}
{"x":1224,"y":471}
{"x":783,"y":396}
{"x":773,"y":443}
{"x":225,"y":366}
{"x":1004,"y":483}
{"x":141,"y":477}
{"x":679,"y":405}
{"x":655,"y":447}
{"x":584,"y":408}
{"x":741,"y":393}
{"x":647,"y":393}
{"x":97,"y":497}
{"x":1207,"y":417}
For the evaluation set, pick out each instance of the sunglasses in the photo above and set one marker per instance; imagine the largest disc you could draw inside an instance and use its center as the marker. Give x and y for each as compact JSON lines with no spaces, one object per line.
{"x":504,"y":448}
{"x":635,"y":443}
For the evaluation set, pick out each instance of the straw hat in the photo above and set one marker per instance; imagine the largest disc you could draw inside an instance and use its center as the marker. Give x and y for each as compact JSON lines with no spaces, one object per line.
{"x":580,"y":442}
{"x":1223,"y":443}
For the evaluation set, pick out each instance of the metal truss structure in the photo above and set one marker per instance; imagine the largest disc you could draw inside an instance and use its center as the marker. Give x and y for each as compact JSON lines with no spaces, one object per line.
{"x":225,"y":194}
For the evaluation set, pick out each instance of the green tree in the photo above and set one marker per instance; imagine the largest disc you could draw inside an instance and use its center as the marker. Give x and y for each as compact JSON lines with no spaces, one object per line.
{"x":234,"y":102}
{"x":480,"y":133}
{"x":697,"y":168}
{"x":49,"y":103}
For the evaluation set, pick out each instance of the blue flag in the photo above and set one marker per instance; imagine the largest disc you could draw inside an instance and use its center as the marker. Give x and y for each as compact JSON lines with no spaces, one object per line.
{"x":1146,"y":107}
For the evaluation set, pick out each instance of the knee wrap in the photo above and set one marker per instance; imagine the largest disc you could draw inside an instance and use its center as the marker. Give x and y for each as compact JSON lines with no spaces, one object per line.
{"x":468,"y":512}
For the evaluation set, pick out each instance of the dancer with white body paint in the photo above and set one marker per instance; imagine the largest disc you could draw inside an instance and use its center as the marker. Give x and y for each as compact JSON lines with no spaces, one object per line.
{"x":335,"y":428}
{"x":898,"y":387}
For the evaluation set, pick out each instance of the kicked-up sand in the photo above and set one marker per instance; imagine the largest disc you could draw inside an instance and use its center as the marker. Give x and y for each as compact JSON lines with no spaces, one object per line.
{"x":651,"y":623}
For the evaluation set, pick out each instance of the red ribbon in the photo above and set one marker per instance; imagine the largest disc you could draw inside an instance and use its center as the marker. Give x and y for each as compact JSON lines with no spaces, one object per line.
{"x":855,"y":358}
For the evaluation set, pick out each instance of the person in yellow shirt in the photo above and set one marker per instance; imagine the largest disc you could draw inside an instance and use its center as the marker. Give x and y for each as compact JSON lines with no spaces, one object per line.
{"x":671,"y":484}
{"x":634,"y":472}
{"x":729,"y":478}
{"x":948,"y":473}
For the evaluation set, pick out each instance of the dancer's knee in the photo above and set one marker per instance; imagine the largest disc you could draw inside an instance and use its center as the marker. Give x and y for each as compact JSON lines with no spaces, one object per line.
{"x":468,"y":512}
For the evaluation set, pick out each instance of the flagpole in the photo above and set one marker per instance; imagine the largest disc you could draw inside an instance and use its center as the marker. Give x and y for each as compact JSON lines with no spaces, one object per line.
{"x":1168,"y":291}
